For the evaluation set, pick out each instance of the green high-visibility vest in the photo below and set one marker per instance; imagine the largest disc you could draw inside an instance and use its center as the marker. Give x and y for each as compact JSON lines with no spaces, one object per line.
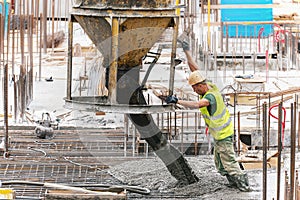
{"x":219,"y":124}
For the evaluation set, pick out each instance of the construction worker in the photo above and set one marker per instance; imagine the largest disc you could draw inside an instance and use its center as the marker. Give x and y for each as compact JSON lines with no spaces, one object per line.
{"x":217,"y":119}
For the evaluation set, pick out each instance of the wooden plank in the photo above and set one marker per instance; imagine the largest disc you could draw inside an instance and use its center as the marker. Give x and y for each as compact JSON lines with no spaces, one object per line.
{"x":64,"y":194}
{"x":243,"y":99}
{"x":282,"y":92}
{"x":258,"y":165}
{"x":255,"y":156}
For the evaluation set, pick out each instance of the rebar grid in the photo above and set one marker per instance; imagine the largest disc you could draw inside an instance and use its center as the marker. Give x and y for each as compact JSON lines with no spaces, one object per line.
{"x":63,"y":159}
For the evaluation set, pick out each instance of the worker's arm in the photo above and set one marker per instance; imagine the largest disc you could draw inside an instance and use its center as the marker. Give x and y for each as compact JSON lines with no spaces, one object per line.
{"x":191,"y":62}
{"x":194,"y":104}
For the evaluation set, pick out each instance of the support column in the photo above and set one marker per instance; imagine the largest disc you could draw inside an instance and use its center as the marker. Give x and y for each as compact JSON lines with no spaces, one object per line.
{"x":114,"y":62}
{"x":70,"y":55}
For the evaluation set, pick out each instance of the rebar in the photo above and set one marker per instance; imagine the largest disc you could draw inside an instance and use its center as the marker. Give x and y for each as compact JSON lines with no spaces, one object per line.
{"x":279,"y":146}
{"x":298,"y":131}
{"x":264,"y":139}
{"x":293,"y":153}
{"x":5,"y":105}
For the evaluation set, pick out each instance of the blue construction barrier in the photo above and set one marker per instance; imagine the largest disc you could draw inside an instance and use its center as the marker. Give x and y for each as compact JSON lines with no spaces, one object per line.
{"x":247,"y":15}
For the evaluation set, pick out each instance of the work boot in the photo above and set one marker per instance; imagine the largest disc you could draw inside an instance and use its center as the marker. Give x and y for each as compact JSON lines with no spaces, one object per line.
{"x":231,"y":181}
{"x":183,"y":39}
{"x":242,"y":182}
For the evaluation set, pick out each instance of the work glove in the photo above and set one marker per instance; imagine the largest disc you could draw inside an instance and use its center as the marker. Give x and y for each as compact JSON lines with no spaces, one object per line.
{"x":185,"y":46}
{"x":183,"y":39}
{"x":171,"y":99}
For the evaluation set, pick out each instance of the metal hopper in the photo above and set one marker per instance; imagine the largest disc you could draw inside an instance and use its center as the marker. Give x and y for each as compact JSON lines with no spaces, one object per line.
{"x":124,"y":31}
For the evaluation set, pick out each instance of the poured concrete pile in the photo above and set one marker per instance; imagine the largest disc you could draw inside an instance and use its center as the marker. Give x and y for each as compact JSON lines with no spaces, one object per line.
{"x":152,"y":174}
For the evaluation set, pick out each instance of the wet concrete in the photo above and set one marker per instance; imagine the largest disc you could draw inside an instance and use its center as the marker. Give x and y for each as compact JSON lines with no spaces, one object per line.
{"x":152,"y":174}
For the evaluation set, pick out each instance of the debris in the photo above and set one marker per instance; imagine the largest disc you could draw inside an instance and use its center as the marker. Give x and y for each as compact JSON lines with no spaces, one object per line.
{"x":49,"y":79}
{"x":7,"y":193}
{"x":45,"y":128}
{"x":2,"y":143}
{"x":58,"y":38}
{"x":15,"y":22}
{"x":244,"y":76}
{"x":43,"y":132}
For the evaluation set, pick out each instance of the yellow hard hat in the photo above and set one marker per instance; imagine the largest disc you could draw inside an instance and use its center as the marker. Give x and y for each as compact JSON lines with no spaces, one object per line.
{"x":196,"y":77}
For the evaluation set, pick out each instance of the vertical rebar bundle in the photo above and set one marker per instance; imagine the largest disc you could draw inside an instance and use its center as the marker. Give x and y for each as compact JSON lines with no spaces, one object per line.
{"x":279,"y":147}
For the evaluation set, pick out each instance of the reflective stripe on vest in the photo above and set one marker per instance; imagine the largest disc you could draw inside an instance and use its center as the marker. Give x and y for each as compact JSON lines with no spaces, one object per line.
{"x":222,"y":127}
{"x":215,"y":117}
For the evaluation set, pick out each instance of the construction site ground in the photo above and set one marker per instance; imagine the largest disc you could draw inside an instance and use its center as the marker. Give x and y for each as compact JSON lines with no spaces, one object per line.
{"x":81,"y":157}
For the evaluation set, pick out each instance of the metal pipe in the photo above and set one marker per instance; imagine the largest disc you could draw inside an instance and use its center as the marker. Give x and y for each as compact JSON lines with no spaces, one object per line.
{"x":265,"y":126}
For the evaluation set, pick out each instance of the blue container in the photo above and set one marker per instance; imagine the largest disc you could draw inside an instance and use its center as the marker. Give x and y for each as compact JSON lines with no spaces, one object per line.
{"x":247,"y":15}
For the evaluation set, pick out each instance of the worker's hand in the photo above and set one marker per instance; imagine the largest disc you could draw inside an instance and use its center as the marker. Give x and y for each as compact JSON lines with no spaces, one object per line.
{"x":183,"y":39}
{"x":171,"y":99}
{"x":185,"y":46}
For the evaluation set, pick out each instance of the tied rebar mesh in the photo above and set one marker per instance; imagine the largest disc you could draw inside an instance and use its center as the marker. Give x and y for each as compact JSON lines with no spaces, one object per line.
{"x":64,"y":159}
